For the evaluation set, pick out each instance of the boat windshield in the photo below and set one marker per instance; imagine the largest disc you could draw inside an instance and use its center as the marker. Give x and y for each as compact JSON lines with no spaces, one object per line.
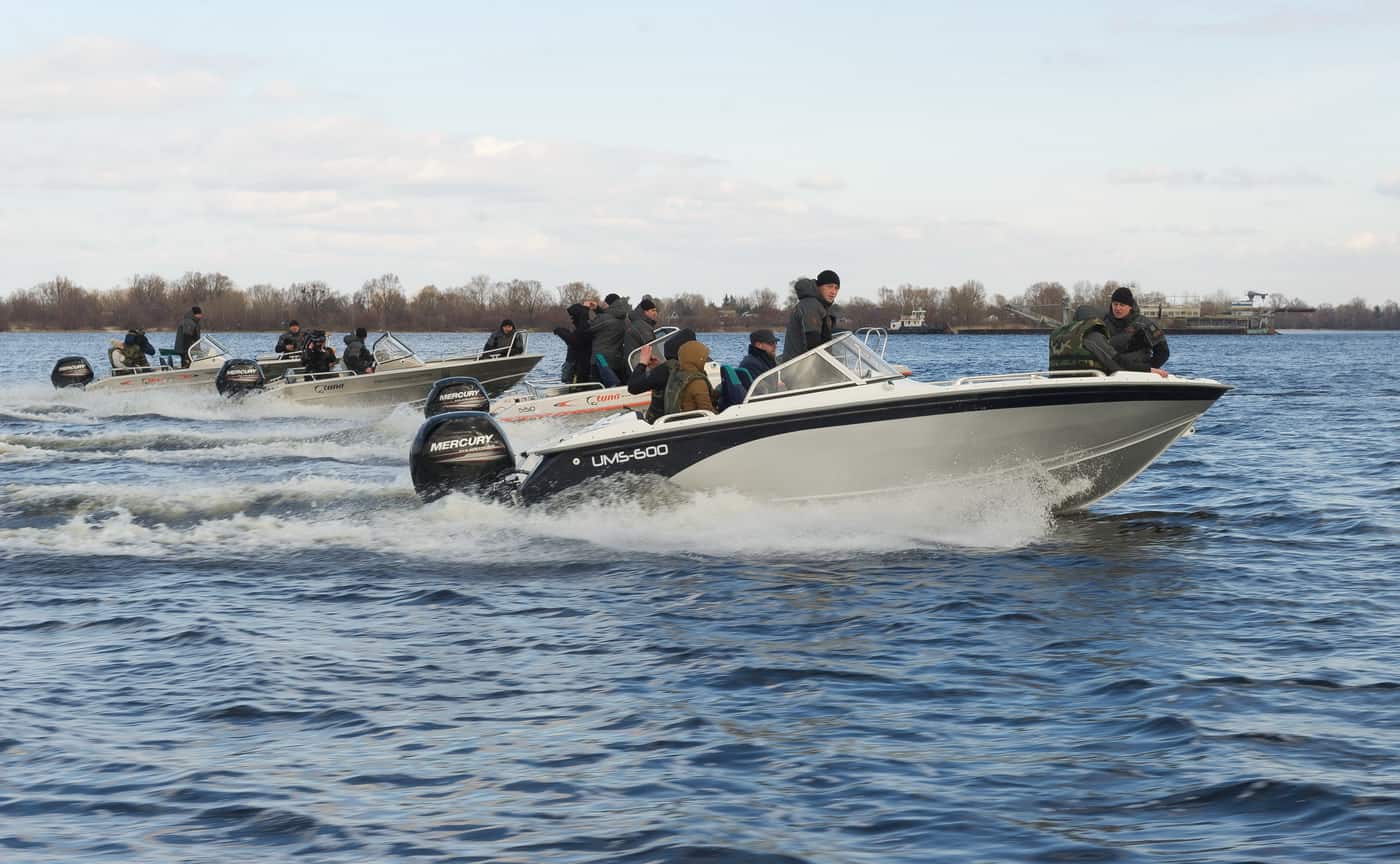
{"x":661,"y":335}
{"x":843,"y":361}
{"x":388,"y":348}
{"x":205,"y":348}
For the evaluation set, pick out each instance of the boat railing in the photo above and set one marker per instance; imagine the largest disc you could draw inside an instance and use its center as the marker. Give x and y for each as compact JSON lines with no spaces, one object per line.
{"x":660,"y":335}
{"x":542,"y":390}
{"x":684,"y":415}
{"x":1027,"y":376}
{"x":872,"y":336}
{"x":521,"y":336}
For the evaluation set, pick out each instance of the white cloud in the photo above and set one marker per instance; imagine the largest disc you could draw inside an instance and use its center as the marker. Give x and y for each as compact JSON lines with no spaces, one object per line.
{"x":97,"y":74}
{"x":1370,"y":241}
{"x":1390,"y":186}
{"x":821,"y":183}
{"x":1235,"y":178}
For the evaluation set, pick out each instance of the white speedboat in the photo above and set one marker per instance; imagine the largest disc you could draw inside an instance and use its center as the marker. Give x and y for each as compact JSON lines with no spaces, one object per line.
{"x":840,"y":421}
{"x":207,"y":357}
{"x":399,"y":375}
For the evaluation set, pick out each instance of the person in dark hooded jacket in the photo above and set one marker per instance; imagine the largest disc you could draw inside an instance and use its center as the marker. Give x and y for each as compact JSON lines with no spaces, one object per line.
{"x":187,"y":333}
{"x":654,"y":371}
{"x":1138,"y":344}
{"x":504,"y":342}
{"x":813,"y":319}
{"x":608,"y":330}
{"x":641,"y":327}
{"x":577,"y":358}
{"x":358,"y":358}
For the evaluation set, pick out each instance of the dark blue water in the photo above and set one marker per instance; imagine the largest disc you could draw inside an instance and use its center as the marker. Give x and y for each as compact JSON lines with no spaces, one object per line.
{"x":230,"y":632}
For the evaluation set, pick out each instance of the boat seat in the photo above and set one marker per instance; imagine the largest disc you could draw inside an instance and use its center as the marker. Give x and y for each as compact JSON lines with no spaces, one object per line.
{"x":605,"y":373}
{"x":731,"y":387}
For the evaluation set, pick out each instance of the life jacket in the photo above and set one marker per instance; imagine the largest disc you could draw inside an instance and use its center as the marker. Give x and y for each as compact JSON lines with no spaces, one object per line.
{"x":1067,"y":348}
{"x":133,"y":356}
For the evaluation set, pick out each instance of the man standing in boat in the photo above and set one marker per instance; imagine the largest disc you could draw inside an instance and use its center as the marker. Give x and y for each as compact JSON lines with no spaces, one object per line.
{"x":813,"y":319}
{"x":187,"y":333}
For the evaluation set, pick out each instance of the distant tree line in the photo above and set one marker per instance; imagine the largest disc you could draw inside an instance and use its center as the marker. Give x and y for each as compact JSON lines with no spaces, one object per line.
{"x":381,"y":303}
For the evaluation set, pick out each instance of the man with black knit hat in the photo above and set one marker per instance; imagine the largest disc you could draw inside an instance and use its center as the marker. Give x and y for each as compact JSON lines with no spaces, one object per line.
{"x":641,"y":327}
{"x":187,"y":333}
{"x":814,"y":317}
{"x":608,"y":330}
{"x":1137,"y":343}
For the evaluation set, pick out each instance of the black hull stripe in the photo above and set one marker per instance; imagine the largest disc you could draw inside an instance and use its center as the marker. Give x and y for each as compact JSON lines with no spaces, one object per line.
{"x":687,"y":446}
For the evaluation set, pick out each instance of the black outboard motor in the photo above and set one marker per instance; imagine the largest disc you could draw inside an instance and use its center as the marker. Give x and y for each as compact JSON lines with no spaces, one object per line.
{"x":237,"y":377}
{"x":463,"y":451}
{"x":458,"y":393}
{"x":71,"y":372}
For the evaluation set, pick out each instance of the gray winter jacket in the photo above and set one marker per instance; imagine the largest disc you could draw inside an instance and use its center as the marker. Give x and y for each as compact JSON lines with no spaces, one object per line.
{"x":640,"y":331}
{"x":811,"y":323}
{"x":608,"y":330}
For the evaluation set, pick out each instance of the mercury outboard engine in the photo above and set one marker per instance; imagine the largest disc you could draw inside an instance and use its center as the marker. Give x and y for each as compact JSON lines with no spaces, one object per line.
{"x":71,"y":372}
{"x":458,"y":393}
{"x":462,"y":451}
{"x":237,"y":377}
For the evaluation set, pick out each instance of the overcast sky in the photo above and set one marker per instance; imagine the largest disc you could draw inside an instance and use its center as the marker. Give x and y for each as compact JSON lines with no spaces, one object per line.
{"x":730,"y":147}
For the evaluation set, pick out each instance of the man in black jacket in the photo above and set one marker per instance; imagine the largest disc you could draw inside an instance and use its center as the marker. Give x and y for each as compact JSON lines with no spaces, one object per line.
{"x":503,"y":343}
{"x":762,"y":354}
{"x":291,"y":339}
{"x":1139,"y":345}
{"x":577,"y":365}
{"x":358,"y":358}
{"x":814,"y":317}
{"x":187,"y":333}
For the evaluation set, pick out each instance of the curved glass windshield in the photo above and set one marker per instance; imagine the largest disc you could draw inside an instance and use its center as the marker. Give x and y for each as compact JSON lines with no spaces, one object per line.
{"x":661,"y":335}
{"x":388,"y":348}
{"x":204,"y":348}
{"x":842,"y":361}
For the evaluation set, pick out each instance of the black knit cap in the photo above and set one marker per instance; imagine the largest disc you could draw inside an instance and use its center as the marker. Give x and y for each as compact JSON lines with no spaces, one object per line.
{"x":647,"y":303}
{"x":828,"y":277}
{"x":610,"y":299}
{"x":195,"y":310}
{"x":1121,"y":294}
{"x":294,"y":323}
{"x":507,"y":323}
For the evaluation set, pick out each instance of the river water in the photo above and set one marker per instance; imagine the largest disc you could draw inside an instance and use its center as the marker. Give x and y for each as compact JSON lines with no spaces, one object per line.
{"x":231,"y":632}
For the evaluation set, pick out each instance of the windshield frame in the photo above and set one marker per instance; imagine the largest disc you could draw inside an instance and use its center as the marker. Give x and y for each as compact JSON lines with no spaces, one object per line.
{"x":846,"y":355}
{"x":393,"y":341}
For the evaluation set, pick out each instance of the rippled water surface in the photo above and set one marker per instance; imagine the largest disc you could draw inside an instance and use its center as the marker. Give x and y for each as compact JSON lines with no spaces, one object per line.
{"x":230,"y":632}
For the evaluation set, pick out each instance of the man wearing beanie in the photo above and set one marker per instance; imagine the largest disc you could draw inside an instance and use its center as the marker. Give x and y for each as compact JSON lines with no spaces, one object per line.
{"x":187,"y":333}
{"x":1138,"y":344}
{"x":814,"y":317}
{"x":608,"y":330}
{"x":641,"y":327}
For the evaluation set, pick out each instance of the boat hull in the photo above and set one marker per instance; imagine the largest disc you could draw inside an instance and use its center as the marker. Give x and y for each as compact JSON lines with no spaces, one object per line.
{"x":404,"y":385}
{"x":1086,"y":438}
{"x":156,"y":379}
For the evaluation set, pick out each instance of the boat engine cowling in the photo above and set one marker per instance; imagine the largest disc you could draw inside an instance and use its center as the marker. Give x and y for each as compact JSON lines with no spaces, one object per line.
{"x":239,"y":376}
{"x":458,"y":393}
{"x":71,"y":372}
{"x":461,"y":451}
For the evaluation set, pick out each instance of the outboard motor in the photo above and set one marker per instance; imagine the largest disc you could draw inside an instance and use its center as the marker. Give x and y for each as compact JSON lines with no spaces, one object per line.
{"x":458,"y":393}
{"x":71,"y":372}
{"x":462,"y":451}
{"x":237,"y":377}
